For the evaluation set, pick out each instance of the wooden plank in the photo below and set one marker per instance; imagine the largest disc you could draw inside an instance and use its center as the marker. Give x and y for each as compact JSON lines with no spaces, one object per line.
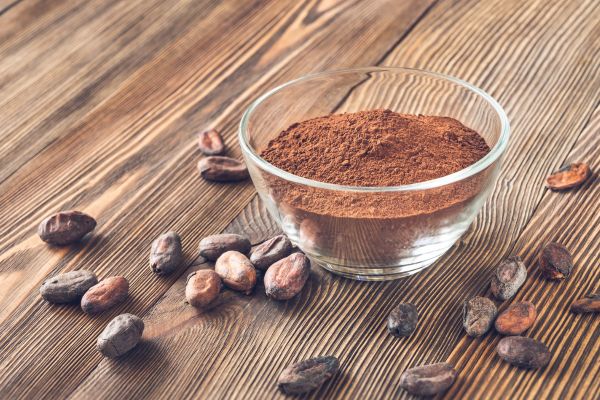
{"x":131,"y":154}
{"x":543,"y":73}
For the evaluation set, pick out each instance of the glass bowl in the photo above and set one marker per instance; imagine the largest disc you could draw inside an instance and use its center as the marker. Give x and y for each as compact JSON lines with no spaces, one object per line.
{"x":373,"y":233}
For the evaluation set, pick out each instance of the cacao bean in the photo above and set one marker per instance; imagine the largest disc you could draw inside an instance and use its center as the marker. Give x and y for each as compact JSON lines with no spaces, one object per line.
{"x":236,"y":271}
{"x":286,"y":278}
{"x":211,"y":247}
{"x":523,"y":352}
{"x":271,"y":251}
{"x":121,"y":334}
{"x":222,"y":169}
{"x":403,"y":320}
{"x":166,"y":253}
{"x":104,"y":295}
{"x":211,"y":143}
{"x":68,"y":287}
{"x":307,"y":375}
{"x":65,"y":227}
{"x":428,"y":380}
{"x":516,"y":319}
{"x":478,"y":315}
{"x":569,"y":176}
{"x":588,"y":304}
{"x":508,"y":278}
{"x":555,"y":261}
{"x":202,"y":288}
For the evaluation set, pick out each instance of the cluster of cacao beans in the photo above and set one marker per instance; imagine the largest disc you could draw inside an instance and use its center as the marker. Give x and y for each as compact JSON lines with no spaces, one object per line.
{"x":215,"y":166}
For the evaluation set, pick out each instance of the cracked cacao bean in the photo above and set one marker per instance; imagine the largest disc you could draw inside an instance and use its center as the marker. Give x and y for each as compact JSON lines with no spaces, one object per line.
{"x":508,"y":278}
{"x":202,"y":288}
{"x":523,"y":352}
{"x":210,"y":142}
{"x":516,"y":319}
{"x":68,"y":287}
{"x":236,"y":271}
{"x":403,"y":320}
{"x":588,"y":304}
{"x":307,"y":375}
{"x":166,"y":253}
{"x":104,"y":295}
{"x":478,"y":316}
{"x":121,"y":335}
{"x":211,"y":247}
{"x":555,"y":261}
{"x":286,"y":278}
{"x":65,"y":227}
{"x":222,"y":169}
{"x":569,"y":176}
{"x":271,"y":251}
{"x":428,"y":380}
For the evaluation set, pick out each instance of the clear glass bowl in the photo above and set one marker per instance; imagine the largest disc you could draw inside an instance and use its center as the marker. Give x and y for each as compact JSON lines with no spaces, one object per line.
{"x":373,"y":233}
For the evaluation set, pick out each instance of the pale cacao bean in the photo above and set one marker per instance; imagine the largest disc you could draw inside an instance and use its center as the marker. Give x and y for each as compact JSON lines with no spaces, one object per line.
{"x":478,"y":315}
{"x":286,"y":278}
{"x":211,"y":247}
{"x":307,"y":375}
{"x":508,"y":278}
{"x":202,"y":288}
{"x":569,"y":176}
{"x":166,"y":253}
{"x":68,"y":287}
{"x":271,"y":251}
{"x":516,"y":319}
{"x":236,"y":271}
{"x":588,"y":304}
{"x":211,"y":143}
{"x":555,"y":261}
{"x":428,"y":380}
{"x":222,"y":169}
{"x":523,"y":352}
{"x":104,"y":295}
{"x":403,"y":320}
{"x":65,"y":227}
{"x":121,"y":335}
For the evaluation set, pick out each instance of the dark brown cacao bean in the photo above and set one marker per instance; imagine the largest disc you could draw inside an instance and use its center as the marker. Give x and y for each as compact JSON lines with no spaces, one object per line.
{"x":307,"y":375}
{"x":202,"y":288}
{"x":121,"y":334}
{"x":222,"y":169}
{"x":555,"y":261}
{"x":68,"y":287}
{"x":516,"y":319}
{"x":523,"y":352}
{"x":166,"y":254}
{"x":271,"y":251}
{"x":211,"y":143}
{"x":478,"y":315}
{"x":428,"y":380}
{"x":569,"y":176}
{"x":508,"y":278}
{"x":65,"y":227}
{"x":588,"y":304}
{"x":236,"y":271}
{"x":104,"y":295}
{"x":403,"y":320}
{"x":286,"y":278}
{"x":211,"y":247}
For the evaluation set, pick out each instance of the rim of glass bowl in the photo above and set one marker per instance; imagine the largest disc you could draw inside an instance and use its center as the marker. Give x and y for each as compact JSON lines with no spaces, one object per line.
{"x":471,"y":170}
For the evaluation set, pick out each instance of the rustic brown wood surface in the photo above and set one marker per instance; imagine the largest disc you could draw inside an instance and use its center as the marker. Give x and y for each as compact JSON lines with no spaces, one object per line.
{"x":100,"y":102}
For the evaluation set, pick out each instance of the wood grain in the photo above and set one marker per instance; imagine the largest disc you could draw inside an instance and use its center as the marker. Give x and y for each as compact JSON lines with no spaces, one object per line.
{"x":113,"y":135}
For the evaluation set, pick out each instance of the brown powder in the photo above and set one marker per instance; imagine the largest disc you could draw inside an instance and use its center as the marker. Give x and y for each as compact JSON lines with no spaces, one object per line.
{"x":375,"y":148}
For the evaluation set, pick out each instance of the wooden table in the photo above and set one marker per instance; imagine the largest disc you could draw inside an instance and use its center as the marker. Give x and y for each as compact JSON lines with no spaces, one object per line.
{"x":100,"y":103}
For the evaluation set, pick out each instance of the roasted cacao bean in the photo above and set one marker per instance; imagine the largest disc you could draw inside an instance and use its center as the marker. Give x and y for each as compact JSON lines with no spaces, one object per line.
{"x":403,"y":320}
{"x":523,"y":352}
{"x":211,"y":247}
{"x":68,"y":287}
{"x":236,"y":271}
{"x":516,"y":319}
{"x":588,"y":304}
{"x":211,"y":143}
{"x":222,"y":169}
{"x":307,"y":375}
{"x":428,"y":380}
{"x":104,"y":295}
{"x":286,"y":278}
{"x":569,"y":176}
{"x":555,"y":261}
{"x":65,"y":227}
{"x":166,"y":253}
{"x":202,"y":288}
{"x":508,"y":278}
{"x":478,"y":315}
{"x":271,"y":251}
{"x":121,"y":334}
